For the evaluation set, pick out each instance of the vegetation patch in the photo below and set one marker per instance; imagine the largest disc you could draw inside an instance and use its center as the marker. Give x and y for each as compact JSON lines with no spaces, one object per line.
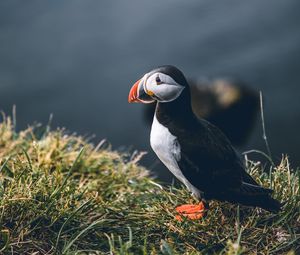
{"x":59,"y":194}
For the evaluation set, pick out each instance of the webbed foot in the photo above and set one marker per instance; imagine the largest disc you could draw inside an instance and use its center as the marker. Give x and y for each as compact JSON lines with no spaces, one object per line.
{"x":190,"y":211}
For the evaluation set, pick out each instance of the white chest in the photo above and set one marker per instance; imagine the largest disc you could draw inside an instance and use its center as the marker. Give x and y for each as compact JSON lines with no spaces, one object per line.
{"x":168,"y":150}
{"x":164,"y":144}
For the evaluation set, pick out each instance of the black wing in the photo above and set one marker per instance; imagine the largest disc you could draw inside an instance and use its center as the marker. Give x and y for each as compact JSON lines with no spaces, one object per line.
{"x":209,"y":161}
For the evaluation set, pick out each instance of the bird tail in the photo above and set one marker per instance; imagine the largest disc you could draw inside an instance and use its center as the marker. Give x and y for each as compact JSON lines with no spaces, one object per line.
{"x":253,"y":195}
{"x":270,"y":204}
{"x":258,"y":196}
{"x":254,"y":189}
{"x":265,"y":202}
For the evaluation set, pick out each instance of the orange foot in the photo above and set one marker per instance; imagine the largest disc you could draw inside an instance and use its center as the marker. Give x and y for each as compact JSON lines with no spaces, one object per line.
{"x":193,"y":212}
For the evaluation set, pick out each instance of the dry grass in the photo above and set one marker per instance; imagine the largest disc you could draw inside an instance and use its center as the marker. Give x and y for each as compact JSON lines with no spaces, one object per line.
{"x":61,"y":195}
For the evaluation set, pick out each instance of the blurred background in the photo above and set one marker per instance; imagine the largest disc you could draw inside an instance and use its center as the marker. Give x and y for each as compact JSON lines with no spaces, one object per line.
{"x":78,"y":60}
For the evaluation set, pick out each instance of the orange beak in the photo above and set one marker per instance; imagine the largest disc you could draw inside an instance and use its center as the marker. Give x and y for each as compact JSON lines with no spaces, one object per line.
{"x":133,"y":94}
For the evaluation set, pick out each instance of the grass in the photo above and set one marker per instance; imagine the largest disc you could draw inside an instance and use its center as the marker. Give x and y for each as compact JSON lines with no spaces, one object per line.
{"x":60,"y":194}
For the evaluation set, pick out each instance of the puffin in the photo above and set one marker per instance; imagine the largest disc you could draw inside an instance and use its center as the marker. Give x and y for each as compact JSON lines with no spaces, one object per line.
{"x":196,"y":152}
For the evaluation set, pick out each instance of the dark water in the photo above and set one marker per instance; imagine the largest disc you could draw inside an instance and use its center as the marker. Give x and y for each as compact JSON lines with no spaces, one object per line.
{"x":78,"y":60}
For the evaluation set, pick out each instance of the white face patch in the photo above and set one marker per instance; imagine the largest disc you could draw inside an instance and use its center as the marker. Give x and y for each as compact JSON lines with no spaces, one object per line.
{"x":162,"y":87}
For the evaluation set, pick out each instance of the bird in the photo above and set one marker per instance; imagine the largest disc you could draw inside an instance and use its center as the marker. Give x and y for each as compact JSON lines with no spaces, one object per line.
{"x":196,"y":152}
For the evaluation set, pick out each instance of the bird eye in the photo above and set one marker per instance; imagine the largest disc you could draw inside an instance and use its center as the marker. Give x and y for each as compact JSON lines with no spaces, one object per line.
{"x":158,"y":80}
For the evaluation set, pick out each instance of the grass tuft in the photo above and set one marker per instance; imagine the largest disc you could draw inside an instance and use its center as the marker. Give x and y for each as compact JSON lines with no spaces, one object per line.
{"x":61,"y":195}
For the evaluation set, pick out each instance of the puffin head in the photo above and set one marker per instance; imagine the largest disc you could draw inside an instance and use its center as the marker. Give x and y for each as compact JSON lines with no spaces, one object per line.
{"x":163,"y":84}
